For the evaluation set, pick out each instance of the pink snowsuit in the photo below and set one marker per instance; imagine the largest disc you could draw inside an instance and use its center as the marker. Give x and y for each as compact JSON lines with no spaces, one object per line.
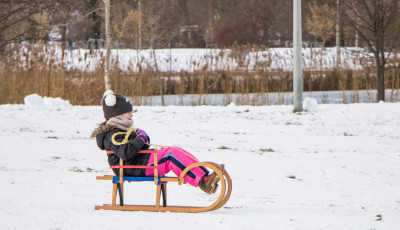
{"x":176,"y":159}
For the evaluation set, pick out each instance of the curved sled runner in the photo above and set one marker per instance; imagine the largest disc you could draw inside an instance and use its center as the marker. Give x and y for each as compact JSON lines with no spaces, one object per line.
{"x":161,"y":191}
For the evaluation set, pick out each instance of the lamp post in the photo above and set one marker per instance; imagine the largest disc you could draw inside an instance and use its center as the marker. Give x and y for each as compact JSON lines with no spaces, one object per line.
{"x":297,"y":70}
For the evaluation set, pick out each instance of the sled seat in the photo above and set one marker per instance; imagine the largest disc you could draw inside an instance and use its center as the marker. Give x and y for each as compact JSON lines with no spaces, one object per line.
{"x":159,"y":181}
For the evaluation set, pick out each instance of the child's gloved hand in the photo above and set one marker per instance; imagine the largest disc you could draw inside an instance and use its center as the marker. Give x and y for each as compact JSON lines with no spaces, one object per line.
{"x":142,"y":135}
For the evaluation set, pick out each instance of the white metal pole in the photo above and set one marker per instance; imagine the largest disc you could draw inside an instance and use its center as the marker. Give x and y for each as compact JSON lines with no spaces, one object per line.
{"x":297,"y":61}
{"x":108,"y":46}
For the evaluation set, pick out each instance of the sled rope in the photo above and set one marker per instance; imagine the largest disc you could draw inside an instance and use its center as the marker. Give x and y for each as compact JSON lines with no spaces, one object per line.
{"x":125,"y":140}
{"x":132,"y":129}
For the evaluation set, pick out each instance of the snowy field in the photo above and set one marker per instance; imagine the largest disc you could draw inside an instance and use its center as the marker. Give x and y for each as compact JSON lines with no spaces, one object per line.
{"x":336,"y":166}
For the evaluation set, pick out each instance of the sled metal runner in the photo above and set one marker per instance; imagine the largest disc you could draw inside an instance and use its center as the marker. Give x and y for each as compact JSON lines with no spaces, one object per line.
{"x":225,"y":189}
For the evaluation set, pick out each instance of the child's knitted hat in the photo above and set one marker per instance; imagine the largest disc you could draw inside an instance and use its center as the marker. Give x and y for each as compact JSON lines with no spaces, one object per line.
{"x":115,"y":104}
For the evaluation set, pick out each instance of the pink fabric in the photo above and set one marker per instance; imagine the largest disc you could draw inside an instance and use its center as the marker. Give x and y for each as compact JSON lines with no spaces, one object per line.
{"x":176,"y":159}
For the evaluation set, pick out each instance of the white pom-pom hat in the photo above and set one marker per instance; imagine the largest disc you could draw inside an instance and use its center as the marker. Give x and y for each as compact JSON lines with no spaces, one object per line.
{"x":109,"y":98}
{"x":115,"y":104}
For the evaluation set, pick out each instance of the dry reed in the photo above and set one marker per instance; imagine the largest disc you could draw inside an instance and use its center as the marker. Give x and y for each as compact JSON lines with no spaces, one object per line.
{"x":24,"y":71}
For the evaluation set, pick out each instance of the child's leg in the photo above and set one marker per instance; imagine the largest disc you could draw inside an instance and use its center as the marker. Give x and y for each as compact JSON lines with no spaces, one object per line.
{"x":176,"y":159}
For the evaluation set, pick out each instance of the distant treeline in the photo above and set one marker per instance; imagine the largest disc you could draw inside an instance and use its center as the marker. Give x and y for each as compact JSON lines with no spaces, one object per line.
{"x":143,"y":24}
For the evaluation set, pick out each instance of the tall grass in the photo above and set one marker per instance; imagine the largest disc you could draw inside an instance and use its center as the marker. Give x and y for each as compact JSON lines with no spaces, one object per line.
{"x":26,"y":70}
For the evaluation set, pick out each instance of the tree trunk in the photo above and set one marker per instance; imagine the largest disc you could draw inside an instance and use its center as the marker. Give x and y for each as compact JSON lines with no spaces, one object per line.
{"x":380,"y":66}
{"x":380,"y":60}
{"x":158,"y":79}
{"x":108,"y":46}
{"x":337,"y":34}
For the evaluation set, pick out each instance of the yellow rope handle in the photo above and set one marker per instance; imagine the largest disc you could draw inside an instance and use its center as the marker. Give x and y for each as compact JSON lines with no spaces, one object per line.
{"x":125,"y":140}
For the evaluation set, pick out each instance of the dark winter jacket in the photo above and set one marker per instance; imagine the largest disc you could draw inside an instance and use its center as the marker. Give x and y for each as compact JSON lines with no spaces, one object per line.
{"x":128,"y":151}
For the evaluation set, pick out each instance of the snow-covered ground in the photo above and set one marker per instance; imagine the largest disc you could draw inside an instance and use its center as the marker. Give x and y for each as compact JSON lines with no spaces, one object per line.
{"x":333,"y":167}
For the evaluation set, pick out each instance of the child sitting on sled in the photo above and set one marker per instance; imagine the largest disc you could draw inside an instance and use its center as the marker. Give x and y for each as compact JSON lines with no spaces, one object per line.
{"x":118,"y":114}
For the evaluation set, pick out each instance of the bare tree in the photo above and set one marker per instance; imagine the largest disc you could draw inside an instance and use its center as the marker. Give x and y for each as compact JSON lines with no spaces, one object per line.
{"x":320,"y":22}
{"x":377,"y":23}
{"x":33,"y":20}
{"x":127,"y":28}
{"x":210,"y":15}
{"x":262,"y":12}
{"x":157,"y":76}
{"x":281,"y":30}
{"x":125,"y":23}
{"x":228,"y":22}
{"x":23,"y":20}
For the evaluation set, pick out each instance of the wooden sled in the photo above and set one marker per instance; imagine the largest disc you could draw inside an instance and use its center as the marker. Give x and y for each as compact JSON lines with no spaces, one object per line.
{"x":225,"y":189}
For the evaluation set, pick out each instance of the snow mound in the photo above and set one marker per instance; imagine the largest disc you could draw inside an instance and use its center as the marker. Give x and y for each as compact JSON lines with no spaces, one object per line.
{"x":310,"y":104}
{"x":35,"y":100}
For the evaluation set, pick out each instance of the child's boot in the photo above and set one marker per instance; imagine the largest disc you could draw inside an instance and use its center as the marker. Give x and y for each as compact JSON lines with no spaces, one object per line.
{"x":209,"y":184}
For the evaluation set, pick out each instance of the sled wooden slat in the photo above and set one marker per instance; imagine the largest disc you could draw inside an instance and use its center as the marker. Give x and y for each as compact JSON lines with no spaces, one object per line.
{"x":150,"y":208}
{"x":105,"y":177}
{"x":161,"y":183}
